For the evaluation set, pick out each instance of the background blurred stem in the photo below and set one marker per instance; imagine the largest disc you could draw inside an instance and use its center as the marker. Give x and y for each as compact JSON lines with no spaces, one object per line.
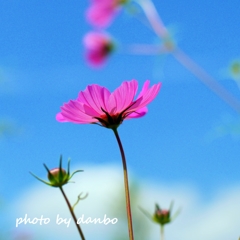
{"x":162,"y":232}
{"x":161,"y":31}
{"x":205,"y":78}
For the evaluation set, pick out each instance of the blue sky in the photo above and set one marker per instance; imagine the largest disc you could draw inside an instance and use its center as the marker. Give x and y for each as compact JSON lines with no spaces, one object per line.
{"x":42,"y":66}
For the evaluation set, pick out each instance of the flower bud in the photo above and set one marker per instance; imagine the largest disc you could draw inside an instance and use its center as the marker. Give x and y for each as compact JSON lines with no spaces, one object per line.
{"x":58,"y":176}
{"x":161,"y":216}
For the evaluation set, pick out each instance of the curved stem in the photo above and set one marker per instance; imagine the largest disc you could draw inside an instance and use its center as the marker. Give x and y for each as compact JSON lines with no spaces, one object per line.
{"x":126,"y":186}
{"x":72,"y":213}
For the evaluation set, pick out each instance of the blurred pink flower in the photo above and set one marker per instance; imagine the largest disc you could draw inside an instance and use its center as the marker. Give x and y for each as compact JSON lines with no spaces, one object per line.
{"x":102,"y":12}
{"x":98,"y":105}
{"x":98,"y":47}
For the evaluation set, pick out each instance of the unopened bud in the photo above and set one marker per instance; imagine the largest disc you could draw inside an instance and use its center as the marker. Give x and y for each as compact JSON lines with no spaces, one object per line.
{"x":58,"y":177}
{"x":161,"y":216}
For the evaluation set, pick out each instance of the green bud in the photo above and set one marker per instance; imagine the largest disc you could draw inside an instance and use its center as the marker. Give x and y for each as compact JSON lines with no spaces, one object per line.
{"x":161,"y":216}
{"x":58,"y":176}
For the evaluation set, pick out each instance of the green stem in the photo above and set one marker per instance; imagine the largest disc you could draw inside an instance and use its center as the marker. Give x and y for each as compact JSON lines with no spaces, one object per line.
{"x":126,"y":186}
{"x":162,"y":232}
{"x":72,"y":213}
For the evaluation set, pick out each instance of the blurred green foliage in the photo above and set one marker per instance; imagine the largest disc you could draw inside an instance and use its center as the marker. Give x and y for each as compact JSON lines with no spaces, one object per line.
{"x":234,"y":69}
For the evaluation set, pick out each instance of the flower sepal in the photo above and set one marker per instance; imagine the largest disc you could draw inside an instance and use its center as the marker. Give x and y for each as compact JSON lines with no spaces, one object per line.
{"x":57,"y":176}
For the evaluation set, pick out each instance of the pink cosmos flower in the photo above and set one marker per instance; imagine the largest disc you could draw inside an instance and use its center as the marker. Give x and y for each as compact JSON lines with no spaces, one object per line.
{"x":101,"y":12}
{"x":98,"y":105}
{"x":98,"y":47}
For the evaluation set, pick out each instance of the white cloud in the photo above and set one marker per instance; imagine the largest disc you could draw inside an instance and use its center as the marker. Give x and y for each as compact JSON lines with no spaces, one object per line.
{"x":218,"y":219}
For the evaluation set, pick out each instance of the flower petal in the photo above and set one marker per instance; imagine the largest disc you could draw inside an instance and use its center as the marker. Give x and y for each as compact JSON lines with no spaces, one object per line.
{"x":144,"y":89}
{"x":95,"y":97}
{"x":137,"y":114}
{"x":146,"y":98}
{"x":124,"y":95}
{"x":73,"y":111}
{"x":60,"y":118}
{"x":150,"y":94}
